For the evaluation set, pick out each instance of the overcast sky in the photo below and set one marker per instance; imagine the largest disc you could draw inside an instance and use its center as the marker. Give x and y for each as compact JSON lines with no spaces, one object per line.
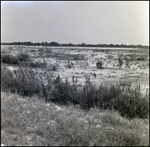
{"x":91,"y":22}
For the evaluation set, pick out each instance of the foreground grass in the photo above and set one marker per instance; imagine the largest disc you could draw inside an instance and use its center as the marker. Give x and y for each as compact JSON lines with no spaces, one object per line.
{"x":31,"y":121}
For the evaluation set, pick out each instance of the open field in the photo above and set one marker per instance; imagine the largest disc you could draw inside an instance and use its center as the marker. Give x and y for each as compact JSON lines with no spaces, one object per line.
{"x":81,"y":62}
{"x":103,"y":93}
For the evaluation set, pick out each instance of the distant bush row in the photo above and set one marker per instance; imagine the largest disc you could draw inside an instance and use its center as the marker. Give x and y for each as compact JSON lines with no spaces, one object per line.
{"x":129,"y":103}
{"x":23,"y":59}
{"x":77,"y":45}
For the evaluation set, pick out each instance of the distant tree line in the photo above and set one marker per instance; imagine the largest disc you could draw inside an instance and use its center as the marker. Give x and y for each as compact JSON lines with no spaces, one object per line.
{"x":77,"y":45}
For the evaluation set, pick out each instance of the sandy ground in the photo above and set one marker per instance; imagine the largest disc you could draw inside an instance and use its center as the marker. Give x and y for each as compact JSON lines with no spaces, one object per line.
{"x":132,"y":72}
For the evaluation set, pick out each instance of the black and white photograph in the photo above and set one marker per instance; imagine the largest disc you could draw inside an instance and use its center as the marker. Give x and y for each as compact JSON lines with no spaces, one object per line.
{"x":74,"y":73}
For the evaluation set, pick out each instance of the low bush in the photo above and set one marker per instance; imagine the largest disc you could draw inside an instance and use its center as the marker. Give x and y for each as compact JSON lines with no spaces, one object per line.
{"x":87,"y":96}
{"x":47,"y":50}
{"x":22,"y":56}
{"x":106,"y":96}
{"x":22,"y":81}
{"x":132,"y":105}
{"x":37,"y":64}
{"x":141,"y":58}
{"x":120,"y":62}
{"x":99,"y":65}
{"x":63,"y":92}
{"x":69,"y":65}
{"x":33,"y":50}
{"x":53,"y":67}
{"x":110,"y":56}
{"x":9,"y":59}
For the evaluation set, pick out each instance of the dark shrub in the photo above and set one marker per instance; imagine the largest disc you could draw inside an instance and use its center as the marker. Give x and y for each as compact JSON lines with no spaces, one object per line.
{"x":7,"y":80}
{"x":32,"y":50}
{"x":22,"y":81}
{"x":14,"y":59}
{"x":99,"y":65}
{"x":22,"y":57}
{"x":63,"y":92}
{"x":53,"y":67}
{"x":9,"y":59}
{"x":87,"y":96}
{"x":107,"y":95}
{"x":132,"y":105}
{"x":69,"y":65}
{"x":120,"y":62}
{"x":141,"y":58}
